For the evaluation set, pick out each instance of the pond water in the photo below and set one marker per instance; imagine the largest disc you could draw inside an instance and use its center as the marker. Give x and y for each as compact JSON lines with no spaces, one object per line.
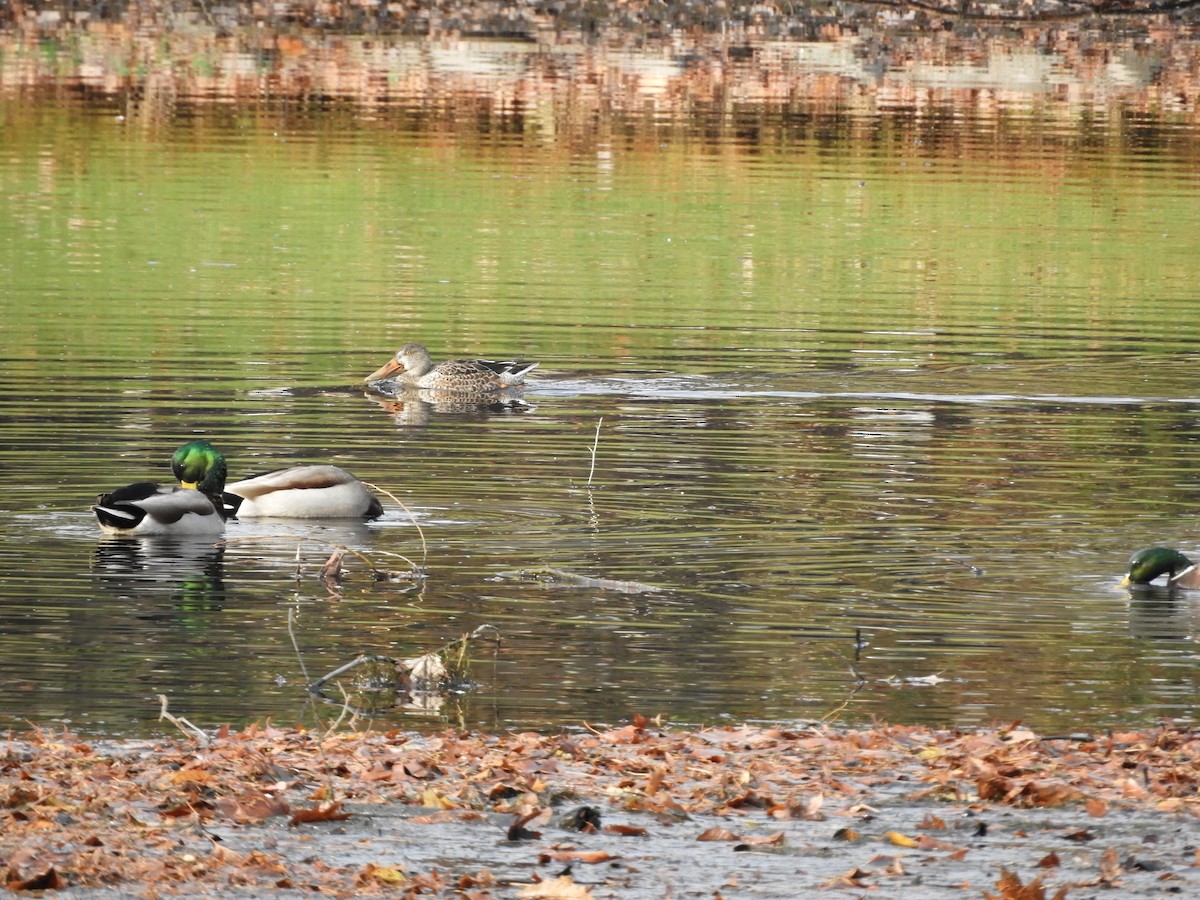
{"x":901,"y":352}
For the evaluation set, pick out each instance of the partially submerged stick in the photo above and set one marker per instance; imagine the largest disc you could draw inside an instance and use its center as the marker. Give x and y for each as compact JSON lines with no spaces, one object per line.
{"x":181,"y":723}
{"x":595,"y":447}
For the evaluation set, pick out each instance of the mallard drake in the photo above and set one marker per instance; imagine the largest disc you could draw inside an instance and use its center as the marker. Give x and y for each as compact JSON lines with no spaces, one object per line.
{"x":460,"y":376}
{"x":303,"y":492}
{"x":1148,"y":564}
{"x":148,"y":508}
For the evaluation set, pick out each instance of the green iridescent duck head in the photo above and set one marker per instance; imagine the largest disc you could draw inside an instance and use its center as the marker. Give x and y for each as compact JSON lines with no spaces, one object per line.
{"x":201,"y":466}
{"x":1148,"y":564}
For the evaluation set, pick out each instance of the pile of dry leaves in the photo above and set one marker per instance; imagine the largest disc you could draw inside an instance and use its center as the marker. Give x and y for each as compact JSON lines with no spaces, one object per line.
{"x":618,"y":812}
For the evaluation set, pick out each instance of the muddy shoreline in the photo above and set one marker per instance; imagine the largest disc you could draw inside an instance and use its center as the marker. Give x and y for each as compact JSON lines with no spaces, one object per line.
{"x":636,"y":811}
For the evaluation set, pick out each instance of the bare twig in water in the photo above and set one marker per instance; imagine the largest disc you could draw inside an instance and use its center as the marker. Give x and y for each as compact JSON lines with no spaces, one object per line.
{"x":425,"y":672}
{"x":412,"y":518}
{"x":291,"y":623}
{"x":377,"y":572}
{"x":181,"y":723}
{"x":347,"y":710}
{"x":595,"y":447}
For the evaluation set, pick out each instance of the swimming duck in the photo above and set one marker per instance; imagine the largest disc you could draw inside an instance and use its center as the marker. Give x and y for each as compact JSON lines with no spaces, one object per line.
{"x":460,"y":376}
{"x":303,"y":492}
{"x":148,"y":508}
{"x":1148,"y":564}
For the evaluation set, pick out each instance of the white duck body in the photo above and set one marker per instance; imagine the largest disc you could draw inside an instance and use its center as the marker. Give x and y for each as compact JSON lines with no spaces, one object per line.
{"x":146,"y":508}
{"x":304,"y":492}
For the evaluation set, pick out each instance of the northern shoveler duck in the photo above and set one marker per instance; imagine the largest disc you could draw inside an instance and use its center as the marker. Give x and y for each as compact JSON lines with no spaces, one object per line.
{"x":412,"y":367}
{"x":148,"y":508}
{"x":1148,"y":564}
{"x":303,"y":492}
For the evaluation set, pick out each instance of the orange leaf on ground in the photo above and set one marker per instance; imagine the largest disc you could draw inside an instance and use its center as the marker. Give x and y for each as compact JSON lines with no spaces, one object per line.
{"x":900,"y":840}
{"x":852,"y":879}
{"x":590,"y":857}
{"x":1011,"y":888}
{"x":1046,"y":794}
{"x":925,"y":842}
{"x":322,"y":812}
{"x":717,"y":834}
{"x":1110,"y":866}
{"x":1096,"y":808}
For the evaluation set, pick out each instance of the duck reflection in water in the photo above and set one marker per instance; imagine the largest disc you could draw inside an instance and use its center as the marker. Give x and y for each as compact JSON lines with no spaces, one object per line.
{"x":416,"y":408}
{"x":191,"y":570}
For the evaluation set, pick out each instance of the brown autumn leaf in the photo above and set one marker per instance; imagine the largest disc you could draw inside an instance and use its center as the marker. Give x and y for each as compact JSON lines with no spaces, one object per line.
{"x":481,"y":879}
{"x":1097,"y":809}
{"x":1110,"y":867}
{"x":1011,"y":888}
{"x":625,"y":830}
{"x":994,"y":788}
{"x":925,"y":842}
{"x":518,"y":832}
{"x":932,"y":823}
{"x":846,"y":834}
{"x":589,"y":857}
{"x":1046,"y":794}
{"x":852,"y":879}
{"x":29,"y":870}
{"x":717,"y":834}
{"x":322,"y":812}
{"x":1049,"y":861}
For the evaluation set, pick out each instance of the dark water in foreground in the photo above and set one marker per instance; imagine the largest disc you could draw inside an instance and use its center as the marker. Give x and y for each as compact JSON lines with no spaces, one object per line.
{"x":922,"y":372}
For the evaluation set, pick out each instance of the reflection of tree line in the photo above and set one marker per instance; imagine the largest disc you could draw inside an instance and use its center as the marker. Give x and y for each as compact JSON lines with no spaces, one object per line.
{"x":839,"y":89}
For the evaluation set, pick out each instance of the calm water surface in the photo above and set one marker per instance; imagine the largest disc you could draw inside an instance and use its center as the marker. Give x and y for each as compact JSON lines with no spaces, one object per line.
{"x":918,"y":370}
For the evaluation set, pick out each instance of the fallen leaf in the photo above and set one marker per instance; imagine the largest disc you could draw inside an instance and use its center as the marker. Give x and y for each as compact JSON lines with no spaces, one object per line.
{"x":518,"y":832}
{"x":1046,"y":794}
{"x":925,"y":842}
{"x":385,"y":874}
{"x":560,"y":888}
{"x":900,"y":840}
{"x":625,"y":830}
{"x":589,"y":857}
{"x":1096,"y":808}
{"x":717,"y":834}
{"x":853,"y":879}
{"x":1049,"y":861}
{"x":1110,"y":866}
{"x":932,"y":822}
{"x":322,"y":812}
{"x":435,"y":800}
{"x":1010,"y":888}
